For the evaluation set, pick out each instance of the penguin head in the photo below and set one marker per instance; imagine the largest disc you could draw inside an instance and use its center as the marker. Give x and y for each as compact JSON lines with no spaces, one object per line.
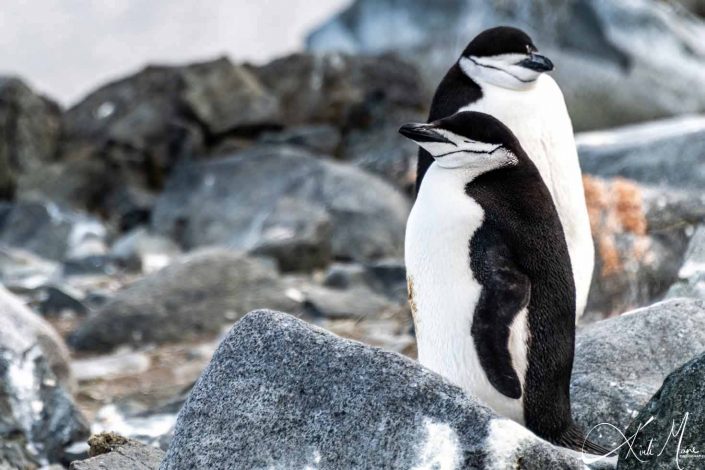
{"x":505,"y":57}
{"x":467,"y":140}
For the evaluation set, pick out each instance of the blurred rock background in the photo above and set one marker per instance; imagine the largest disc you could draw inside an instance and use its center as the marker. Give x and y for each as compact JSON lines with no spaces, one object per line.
{"x":141,"y":222}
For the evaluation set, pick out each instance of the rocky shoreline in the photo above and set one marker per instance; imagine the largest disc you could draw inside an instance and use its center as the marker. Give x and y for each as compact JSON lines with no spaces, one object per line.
{"x":141,"y":225}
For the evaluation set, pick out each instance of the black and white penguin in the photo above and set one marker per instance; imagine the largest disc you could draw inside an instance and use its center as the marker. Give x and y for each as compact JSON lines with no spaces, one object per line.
{"x":501,"y":73}
{"x":489,"y":275}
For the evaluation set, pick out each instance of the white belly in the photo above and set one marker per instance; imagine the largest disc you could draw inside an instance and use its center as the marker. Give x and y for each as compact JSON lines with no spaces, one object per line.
{"x":444,"y":291}
{"x":539,"y":119}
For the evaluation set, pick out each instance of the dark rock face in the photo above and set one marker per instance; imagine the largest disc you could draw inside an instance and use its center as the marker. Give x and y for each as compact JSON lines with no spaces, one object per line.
{"x":29,"y":130}
{"x":621,"y":362}
{"x":72,"y":183}
{"x":194,"y":296}
{"x":671,"y":424}
{"x":225,"y":202}
{"x":366,"y":97}
{"x":38,"y":416}
{"x":666,"y":153}
{"x":338,"y":88}
{"x":606,"y":76}
{"x":641,"y":235}
{"x":281,"y":393}
{"x":125,"y":454}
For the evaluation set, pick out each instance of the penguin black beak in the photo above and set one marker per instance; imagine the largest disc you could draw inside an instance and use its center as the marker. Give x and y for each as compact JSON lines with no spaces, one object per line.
{"x":538,"y":63}
{"x":422,"y":133}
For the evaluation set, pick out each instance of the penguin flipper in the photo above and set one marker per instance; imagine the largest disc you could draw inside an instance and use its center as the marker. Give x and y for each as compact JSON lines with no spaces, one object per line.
{"x":505,"y":293}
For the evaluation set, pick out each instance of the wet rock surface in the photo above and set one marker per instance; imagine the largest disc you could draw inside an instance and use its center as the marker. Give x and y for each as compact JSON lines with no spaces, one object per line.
{"x":282,"y":393}
{"x":621,"y":362}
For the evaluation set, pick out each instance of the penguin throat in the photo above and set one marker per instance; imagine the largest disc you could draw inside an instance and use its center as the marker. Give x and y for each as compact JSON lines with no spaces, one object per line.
{"x":497,"y":73}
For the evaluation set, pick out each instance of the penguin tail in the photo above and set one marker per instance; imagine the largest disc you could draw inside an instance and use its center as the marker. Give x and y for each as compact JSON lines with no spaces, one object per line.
{"x":574,"y":438}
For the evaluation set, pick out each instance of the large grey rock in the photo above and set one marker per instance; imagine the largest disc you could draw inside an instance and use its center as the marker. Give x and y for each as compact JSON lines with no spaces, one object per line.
{"x":113,"y":452}
{"x":607,"y":74}
{"x":670,"y":152}
{"x":29,"y":130}
{"x":297,"y":234}
{"x":52,"y":232}
{"x":671,"y":424}
{"x":641,"y":235}
{"x":621,"y":362}
{"x":228,"y":201}
{"x":280,"y":393}
{"x":691,"y":276}
{"x":38,"y":414}
{"x":194,"y":296}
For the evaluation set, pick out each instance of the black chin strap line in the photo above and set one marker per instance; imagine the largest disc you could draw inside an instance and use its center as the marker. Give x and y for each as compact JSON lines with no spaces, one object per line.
{"x":501,"y":70}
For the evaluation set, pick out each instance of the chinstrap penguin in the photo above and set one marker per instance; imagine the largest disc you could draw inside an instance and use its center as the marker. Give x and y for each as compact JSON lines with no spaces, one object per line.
{"x":490,"y":280}
{"x":501,"y":73}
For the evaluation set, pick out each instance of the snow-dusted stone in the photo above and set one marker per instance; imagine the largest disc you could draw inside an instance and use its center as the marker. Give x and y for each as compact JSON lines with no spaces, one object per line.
{"x":38,"y":418}
{"x":280,"y":393}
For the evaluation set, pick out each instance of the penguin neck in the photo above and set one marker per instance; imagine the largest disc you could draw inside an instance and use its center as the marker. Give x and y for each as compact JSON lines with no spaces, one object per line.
{"x":446,"y":179}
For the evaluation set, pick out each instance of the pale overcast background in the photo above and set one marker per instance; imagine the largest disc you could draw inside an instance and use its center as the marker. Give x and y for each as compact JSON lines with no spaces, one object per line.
{"x":65,"y":48}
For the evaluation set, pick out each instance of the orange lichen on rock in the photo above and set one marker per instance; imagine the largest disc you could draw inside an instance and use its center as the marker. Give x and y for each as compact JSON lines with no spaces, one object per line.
{"x":628,"y":202}
{"x":607,"y":250}
{"x":615,"y":207}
